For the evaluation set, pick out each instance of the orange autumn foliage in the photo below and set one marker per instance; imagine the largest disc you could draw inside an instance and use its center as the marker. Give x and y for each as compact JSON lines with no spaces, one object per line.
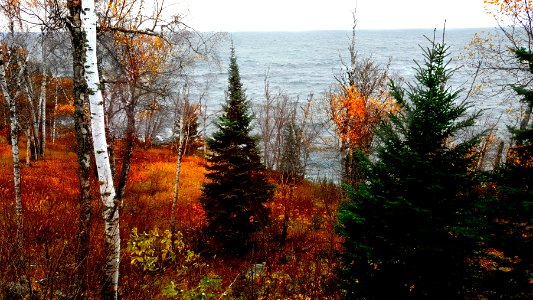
{"x":520,"y":156}
{"x":61,"y":88}
{"x":303,"y":269}
{"x":356,"y":116}
{"x":151,"y":187}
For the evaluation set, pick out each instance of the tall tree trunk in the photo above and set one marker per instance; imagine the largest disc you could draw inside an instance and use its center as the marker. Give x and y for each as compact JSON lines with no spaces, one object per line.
{"x":527,"y":115}
{"x":15,"y":154}
{"x":28,"y":146}
{"x":182,"y":144}
{"x":105,"y":177}
{"x":176,"y":186}
{"x":54,"y":119}
{"x":42,"y":95}
{"x":84,"y":151}
{"x":499,"y":154}
{"x":130,"y":143}
{"x":28,"y":89}
{"x":42,"y":115}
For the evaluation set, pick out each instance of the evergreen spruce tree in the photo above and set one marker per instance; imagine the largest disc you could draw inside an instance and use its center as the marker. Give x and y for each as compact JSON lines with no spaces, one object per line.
{"x":237,"y":188}
{"x":409,"y":229}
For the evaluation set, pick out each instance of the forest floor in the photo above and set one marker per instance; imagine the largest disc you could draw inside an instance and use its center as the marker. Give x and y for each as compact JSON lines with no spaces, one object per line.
{"x":301,"y":268}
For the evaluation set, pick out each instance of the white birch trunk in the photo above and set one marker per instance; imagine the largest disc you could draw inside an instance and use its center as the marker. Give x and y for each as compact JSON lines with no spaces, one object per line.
{"x":182,"y":143}
{"x":42,"y":114}
{"x":107,"y":190}
{"x":15,"y":153}
{"x":42,"y":97}
{"x":54,"y":119}
{"x":186,"y":117}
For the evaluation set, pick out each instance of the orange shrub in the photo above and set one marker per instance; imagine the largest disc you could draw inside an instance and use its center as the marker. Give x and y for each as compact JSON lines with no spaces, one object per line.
{"x":302,"y":269}
{"x":356,"y":116}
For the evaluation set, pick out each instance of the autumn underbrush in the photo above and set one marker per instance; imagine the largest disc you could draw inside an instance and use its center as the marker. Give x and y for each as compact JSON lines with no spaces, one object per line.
{"x":294,"y":257}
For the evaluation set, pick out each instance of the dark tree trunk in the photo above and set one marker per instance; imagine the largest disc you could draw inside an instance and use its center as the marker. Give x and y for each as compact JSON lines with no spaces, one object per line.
{"x":84,"y":151}
{"x":128,"y":153}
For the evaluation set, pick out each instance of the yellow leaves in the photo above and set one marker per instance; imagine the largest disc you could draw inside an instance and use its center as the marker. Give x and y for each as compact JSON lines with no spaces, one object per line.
{"x":141,"y":53}
{"x":155,"y":250}
{"x":115,"y":11}
{"x":512,"y":8}
{"x":481,"y":40}
{"x":139,"y":50}
{"x":356,"y":115}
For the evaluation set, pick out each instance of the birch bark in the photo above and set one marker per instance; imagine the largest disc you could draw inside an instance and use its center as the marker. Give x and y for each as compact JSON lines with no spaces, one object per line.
{"x":105,"y":177}
{"x":183,"y":139}
{"x":42,"y":97}
{"x":42,"y":114}
{"x":54,"y":119}
{"x":15,"y":154}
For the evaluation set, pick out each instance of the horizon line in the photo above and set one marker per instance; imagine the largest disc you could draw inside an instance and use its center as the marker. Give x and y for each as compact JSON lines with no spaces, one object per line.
{"x":357,"y":29}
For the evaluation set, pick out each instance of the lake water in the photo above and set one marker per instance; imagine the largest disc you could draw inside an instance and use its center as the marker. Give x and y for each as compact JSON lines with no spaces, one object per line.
{"x":304,"y":63}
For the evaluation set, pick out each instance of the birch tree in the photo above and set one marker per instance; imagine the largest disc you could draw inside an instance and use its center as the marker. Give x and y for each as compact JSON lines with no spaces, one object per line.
{"x":188,"y":114}
{"x":11,"y":100}
{"x":34,"y":107}
{"x":145,"y":51}
{"x":53,"y":16}
{"x":105,"y":178}
{"x":14,"y":55}
{"x":71,"y":20}
{"x":22,"y":15}
{"x":42,"y":97}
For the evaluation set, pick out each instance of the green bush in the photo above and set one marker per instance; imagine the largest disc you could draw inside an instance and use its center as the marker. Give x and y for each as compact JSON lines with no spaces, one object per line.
{"x":208,"y":288}
{"x":155,"y":251}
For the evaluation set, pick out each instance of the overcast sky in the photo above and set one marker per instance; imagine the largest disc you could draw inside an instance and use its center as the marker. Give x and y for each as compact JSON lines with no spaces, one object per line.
{"x":297,"y":15}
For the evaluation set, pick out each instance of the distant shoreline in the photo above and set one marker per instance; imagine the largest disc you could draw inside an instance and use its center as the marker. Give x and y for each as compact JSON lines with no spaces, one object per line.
{"x":349,"y":30}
